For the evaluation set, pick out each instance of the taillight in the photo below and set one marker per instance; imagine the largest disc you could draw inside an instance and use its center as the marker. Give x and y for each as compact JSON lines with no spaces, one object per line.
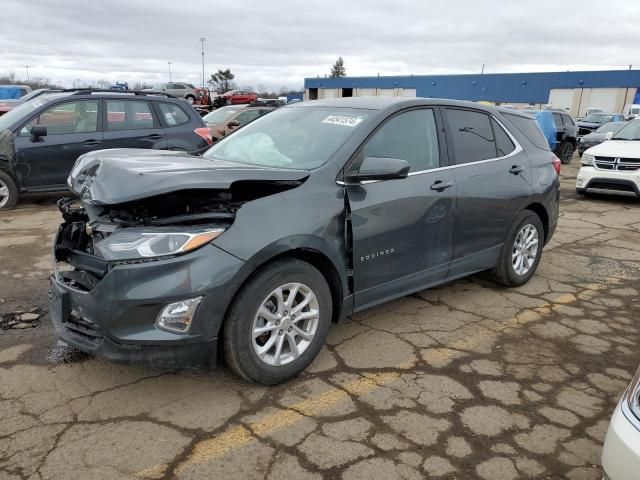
{"x":556,"y":164}
{"x":205,"y":133}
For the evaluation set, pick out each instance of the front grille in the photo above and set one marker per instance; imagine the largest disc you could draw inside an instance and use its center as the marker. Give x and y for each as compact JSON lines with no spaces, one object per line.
{"x":618,"y":187}
{"x":615,"y":163}
{"x":84,"y":327}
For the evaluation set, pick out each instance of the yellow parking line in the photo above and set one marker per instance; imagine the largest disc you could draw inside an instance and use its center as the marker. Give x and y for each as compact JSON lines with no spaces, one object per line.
{"x":238,"y":436}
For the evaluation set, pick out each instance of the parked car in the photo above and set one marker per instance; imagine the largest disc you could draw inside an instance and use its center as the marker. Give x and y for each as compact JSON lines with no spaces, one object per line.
{"x":235,"y":97}
{"x":311,"y":213}
{"x":177,"y":89}
{"x":631,"y":111}
{"x":621,"y":450}
{"x":560,"y":130}
{"x":13,"y":91}
{"x":6,"y":105}
{"x":592,"y":122}
{"x":598,"y":136}
{"x":226,"y":120}
{"x":41,"y":139}
{"x":613,"y":167}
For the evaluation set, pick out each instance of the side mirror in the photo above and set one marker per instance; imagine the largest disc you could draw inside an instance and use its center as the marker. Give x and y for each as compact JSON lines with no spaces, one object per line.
{"x":608,"y":135}
{"x":379,"y":168}
{"x":38,"y":131}
{"x":233,"y":123}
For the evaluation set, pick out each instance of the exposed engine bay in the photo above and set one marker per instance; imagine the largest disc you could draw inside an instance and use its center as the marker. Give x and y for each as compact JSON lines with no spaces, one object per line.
{"x":86,"y":224}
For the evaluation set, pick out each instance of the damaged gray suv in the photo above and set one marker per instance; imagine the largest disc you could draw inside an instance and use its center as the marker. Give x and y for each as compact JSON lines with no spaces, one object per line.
{"x":320,"y":209}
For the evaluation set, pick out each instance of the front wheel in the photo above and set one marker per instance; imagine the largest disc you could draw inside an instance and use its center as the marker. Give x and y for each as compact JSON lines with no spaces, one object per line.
{"x":278,"y":323}
{"x":521,"y":252}
{"x":8,"y":192}
{"x":190,"y":100}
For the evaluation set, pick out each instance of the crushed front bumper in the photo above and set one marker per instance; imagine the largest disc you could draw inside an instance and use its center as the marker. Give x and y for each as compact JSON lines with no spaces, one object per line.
{"x":116,"y":318}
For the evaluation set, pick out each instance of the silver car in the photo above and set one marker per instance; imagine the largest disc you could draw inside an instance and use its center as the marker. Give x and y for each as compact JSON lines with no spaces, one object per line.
{"x":177,"y":89}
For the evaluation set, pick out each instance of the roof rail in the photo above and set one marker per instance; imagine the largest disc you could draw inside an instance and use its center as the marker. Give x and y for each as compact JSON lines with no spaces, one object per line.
{"x":87,"y":91}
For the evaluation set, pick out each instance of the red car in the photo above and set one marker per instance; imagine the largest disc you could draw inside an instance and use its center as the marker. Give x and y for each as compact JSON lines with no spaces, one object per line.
{"x":236,"y":97}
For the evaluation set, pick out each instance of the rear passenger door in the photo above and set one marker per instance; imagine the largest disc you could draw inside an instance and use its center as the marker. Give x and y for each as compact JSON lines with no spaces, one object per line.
{"x":492,"y":176}
{"x":179,"y":126}
{"x":561,"y":128}
{"x":132,"y":124}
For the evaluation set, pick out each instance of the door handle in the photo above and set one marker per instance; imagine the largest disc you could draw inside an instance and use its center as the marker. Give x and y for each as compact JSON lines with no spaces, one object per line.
{"x":91,"y":143}
{"x":440,"y":186}
{"x":516,"y":169}
{"x":155,"y":136}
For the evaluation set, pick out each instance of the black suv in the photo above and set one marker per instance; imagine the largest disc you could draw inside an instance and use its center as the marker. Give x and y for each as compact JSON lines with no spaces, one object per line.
{"x":41,"y":139}
{"x":306,"y":215}
{"x":566,"y":136}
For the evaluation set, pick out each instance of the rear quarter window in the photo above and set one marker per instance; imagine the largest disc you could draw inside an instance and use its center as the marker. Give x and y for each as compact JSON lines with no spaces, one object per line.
{"x":173,"y":114}
{"x":529,"y":128}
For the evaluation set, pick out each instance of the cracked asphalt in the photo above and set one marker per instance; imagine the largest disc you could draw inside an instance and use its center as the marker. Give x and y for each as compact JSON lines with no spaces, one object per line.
{"x":466,"y":381}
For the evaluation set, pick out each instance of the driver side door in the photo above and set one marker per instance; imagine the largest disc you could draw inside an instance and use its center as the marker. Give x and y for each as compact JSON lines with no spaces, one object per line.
{"x":73,"y":128}
{"x":402,"y":228}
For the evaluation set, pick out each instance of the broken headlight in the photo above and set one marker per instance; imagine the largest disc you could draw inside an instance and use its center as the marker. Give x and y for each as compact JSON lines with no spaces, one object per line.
{"x":133,"y":243}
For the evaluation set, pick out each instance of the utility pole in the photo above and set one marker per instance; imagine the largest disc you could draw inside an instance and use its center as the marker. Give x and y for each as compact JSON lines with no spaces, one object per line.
{"x":202,"y":40}
{"x":27,"y":67}
{"x":482,"y":71}
{"x":169,"y":70}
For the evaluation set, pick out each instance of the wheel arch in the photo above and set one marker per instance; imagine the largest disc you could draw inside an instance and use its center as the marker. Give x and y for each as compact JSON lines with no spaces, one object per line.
{"x":540,"y":210}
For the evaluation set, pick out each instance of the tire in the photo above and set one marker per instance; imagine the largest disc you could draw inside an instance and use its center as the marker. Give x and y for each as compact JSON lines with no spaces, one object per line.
{"x":566,"y":152}
{"x":241,"y":347}
{"x":228,"y":101}
{"x":505,"y":272}
{"x":8,"y":192}
{"x":190,"y":99}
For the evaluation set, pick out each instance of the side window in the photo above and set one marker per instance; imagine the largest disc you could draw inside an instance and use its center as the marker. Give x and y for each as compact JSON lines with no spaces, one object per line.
{"x":568,"y":120}
{"x":178,"y":86}
{"x":471,"y":135}
{"x":503,"y":143}
{"x":247,"y":116}
{"x":529,"y":128}
{"x":173,"y":115}
{"x":410,"y":136}
{"x":557,"y":119}
{"x":128,"y":115}
{"x":65,"y":118}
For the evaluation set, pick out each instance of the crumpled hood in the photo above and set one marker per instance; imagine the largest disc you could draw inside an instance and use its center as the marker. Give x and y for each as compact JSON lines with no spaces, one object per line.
{"x":108,"y":177}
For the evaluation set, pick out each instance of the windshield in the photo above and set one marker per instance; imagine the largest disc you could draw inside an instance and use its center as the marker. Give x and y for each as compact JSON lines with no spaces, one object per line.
{"x":219,"y":115}
{"x":610,"y":127}
{"x":301,"y":138}
{"x":23,"y":110}
{"x":631,"y":131}
{"x":597,"y":118}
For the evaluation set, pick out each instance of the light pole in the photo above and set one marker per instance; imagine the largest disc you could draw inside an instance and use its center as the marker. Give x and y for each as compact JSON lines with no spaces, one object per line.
{"x":27,"y":67}
{"x":169,"y":70}
{"x":202,"y":40}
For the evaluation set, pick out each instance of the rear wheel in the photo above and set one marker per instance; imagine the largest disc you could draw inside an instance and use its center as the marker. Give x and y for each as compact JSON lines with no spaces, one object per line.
{"x":8,"y":192}
{"x":229,"y":101}
{"x":566,"y":152}
{"x":521,"y":252}
{"x":278,"y":323}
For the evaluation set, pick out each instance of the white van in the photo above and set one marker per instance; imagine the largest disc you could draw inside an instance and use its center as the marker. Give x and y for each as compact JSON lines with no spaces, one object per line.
{"x":631,"y":111}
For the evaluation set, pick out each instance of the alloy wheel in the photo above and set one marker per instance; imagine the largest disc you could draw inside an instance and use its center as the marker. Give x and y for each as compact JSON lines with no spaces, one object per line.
{"x":525,"y":249}
{"x":285,"y":324}
{"x":4,"y":193}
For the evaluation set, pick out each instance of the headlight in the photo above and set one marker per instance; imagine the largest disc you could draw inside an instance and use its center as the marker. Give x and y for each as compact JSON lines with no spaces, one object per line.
{"x":587,"y":160}
{"x":132,"y":243}
{"x":631,"y":396}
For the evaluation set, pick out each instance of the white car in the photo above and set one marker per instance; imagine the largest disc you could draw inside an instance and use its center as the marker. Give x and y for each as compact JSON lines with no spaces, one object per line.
{"x":621,"y":451}
{"x":613,"y":166}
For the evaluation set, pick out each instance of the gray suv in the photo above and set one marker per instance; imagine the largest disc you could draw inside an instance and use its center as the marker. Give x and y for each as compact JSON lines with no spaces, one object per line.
{"x":304,"y":216}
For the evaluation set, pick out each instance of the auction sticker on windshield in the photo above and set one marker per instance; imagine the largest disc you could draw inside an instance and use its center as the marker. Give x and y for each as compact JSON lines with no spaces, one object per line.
{"x":342,"y":120}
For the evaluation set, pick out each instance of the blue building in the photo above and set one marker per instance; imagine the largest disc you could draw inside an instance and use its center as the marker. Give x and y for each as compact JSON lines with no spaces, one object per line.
{"x":610,"y":90}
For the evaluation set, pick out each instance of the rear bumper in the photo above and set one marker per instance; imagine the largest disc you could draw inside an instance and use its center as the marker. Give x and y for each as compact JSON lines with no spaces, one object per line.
{"x":116,"y":319}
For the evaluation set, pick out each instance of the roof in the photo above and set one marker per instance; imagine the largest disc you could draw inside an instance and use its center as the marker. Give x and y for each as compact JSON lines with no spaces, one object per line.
{"x":383,"y":103}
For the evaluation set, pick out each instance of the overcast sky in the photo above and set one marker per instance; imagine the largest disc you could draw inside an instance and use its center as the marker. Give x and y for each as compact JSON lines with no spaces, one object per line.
{"x":278,"y":43}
